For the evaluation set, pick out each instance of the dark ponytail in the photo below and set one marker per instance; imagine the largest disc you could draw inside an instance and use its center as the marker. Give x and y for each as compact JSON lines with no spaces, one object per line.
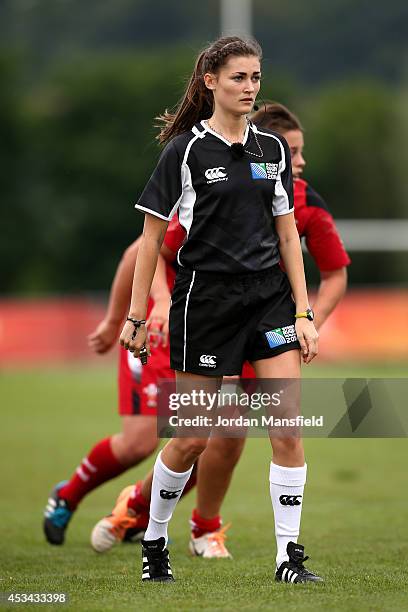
{"x":197,"y":102}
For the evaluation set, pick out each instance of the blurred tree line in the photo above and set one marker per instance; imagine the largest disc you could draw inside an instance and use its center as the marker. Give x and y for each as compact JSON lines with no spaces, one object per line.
{"x":77,"y":145}
{"x":314,"y":40}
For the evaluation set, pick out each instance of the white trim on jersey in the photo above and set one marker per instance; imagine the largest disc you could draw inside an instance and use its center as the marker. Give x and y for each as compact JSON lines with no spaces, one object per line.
{"x":280,"y":204}
{"x":188,"y":193}
{"x":284,"y":212}
{"x":186,"y":211}
{"x":184,"y":184}
{"x":152,"y":212}
{"x":185,"y":321}
{"x":207,"y":128}
{"x":197,"y":132}
{"x":181,"y":198}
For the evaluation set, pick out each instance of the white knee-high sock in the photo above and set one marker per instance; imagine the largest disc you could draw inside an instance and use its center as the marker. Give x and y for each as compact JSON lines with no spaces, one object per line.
{"x":286,"y":486}
{"x":167,"y":488}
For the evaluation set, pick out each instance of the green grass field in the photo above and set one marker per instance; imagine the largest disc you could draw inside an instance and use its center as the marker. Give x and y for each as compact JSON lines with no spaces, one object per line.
{"x":354,"y":523}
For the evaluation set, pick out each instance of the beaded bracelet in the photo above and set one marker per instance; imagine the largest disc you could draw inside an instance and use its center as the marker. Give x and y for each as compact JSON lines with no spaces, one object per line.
{"x":136,"y":323}
{"x":143,"y":351}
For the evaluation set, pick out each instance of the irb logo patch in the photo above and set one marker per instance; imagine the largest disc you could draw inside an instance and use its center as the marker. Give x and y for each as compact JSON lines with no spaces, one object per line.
{"x":281,"y":335}
{"x":264,"y":170}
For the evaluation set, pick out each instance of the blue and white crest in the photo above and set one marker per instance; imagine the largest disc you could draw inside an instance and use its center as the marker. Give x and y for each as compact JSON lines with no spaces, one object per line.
{"x":258,"y":171}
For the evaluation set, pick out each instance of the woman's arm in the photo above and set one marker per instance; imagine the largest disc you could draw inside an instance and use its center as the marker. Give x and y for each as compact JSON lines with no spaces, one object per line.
{"x":332,"y":287}
{"x":327,"y":250}
{"x":106,"y":333}
{"x":158,"y":322}
{"x":153,"y":234}
{"x":291,"y":253}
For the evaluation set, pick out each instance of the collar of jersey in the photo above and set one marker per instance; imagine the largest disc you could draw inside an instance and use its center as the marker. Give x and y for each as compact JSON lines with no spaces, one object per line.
{"x":227,"y":142}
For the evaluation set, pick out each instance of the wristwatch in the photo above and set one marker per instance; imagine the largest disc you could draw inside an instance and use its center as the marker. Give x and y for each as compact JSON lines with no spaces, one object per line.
{"x":308,"y":314}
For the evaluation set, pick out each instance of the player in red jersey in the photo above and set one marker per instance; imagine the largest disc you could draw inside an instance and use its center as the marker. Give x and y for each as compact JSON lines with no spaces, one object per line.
{"x":115,"y":454}
{"x":313,"y":220}
{"x":316,"y":225}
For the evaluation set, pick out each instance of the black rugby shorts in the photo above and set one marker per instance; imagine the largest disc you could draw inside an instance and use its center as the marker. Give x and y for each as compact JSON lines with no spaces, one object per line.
{"x":219,"y":321}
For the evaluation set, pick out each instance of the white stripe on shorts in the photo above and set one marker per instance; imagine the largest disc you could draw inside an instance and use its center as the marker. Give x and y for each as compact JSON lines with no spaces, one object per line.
{"x":185,"y":321}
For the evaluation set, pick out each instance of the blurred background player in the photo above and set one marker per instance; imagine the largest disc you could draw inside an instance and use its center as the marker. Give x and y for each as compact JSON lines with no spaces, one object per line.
{"x":313,"y":219}
{"x":115,"y":454}
{"x":316,"y":225}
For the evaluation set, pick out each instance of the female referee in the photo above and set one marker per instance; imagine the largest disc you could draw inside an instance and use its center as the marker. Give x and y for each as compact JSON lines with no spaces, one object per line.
{"x":232,"y":187}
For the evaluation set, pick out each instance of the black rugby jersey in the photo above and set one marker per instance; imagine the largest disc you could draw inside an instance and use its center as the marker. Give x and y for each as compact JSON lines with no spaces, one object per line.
{"x":226,"y":205}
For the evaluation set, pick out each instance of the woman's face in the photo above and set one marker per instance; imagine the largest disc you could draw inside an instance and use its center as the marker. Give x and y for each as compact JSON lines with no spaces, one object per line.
{"x":236,"y":84}
{"x":294,"y":138}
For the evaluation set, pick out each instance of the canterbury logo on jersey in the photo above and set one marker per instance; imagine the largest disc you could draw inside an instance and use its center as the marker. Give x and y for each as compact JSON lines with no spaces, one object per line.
{"x":290,"y":500}
{"x":169,"y":494}
{"x":208,"y":361}
{"x":214,"y":175}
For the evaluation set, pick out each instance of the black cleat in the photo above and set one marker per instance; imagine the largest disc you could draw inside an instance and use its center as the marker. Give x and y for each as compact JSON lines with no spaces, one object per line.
{"x":294,"y":570}
{"x":57,"y":516}
{"x":156,"y":565}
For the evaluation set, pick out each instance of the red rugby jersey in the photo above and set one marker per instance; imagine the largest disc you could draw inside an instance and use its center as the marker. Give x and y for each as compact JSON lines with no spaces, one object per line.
{"x":175,"y":235}
{"x":173,"y":240}
{"x":313,"y":221}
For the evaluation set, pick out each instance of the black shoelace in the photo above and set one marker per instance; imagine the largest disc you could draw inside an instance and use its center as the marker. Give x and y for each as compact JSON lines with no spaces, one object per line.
{"x":298,"y":563}
{"x":158,"y":562}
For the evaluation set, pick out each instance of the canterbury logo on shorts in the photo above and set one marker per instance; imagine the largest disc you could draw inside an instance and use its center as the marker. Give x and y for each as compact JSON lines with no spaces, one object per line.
{"x":208,"y":361}
{"x":290,"y":500}
{"x":213,"y":175}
